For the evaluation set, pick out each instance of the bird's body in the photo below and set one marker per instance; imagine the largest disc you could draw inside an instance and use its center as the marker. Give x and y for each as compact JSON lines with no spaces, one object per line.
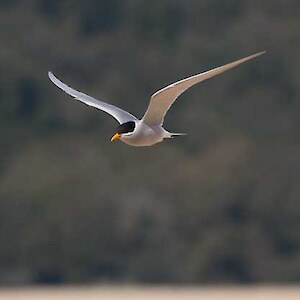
{"x":148,"y":130}
{"x":145,"y":135}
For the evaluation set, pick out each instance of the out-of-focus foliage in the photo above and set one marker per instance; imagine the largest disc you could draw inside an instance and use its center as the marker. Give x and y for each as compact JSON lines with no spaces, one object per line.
{"x":219,"y":205}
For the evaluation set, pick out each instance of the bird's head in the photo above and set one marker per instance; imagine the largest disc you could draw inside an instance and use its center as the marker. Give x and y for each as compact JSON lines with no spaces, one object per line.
{"x":124,"y":130}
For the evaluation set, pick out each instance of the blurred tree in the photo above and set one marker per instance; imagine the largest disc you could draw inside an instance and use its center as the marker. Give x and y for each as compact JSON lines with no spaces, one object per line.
{"x":220,"y":205}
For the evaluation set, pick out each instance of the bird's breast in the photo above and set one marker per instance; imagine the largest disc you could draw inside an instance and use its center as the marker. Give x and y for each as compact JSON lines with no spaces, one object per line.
{"x":144,"y":135}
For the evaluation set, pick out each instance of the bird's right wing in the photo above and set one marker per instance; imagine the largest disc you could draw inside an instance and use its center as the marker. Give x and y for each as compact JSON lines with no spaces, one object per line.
{"x":162,"y":100}
{"x":120,"y":115}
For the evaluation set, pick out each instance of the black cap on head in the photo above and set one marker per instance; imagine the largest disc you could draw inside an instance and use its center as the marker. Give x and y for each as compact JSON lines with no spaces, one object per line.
{"x":126,"y":127}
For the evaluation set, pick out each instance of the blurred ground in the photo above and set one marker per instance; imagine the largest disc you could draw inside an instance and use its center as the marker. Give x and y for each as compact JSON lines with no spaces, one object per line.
{"x":145,"y":293}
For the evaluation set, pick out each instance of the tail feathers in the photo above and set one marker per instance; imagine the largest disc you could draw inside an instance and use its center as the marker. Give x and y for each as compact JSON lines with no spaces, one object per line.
{"x":172,"y":134}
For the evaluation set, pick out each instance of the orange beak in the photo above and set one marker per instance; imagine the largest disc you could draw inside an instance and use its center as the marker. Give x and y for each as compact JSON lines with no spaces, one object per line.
{"x":115,"y":137}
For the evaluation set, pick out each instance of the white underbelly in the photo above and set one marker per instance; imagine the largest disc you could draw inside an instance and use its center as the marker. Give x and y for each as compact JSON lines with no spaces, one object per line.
{"x":145,"y":136}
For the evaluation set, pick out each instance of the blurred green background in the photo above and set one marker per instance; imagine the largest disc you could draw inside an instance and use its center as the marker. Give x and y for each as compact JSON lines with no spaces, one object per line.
{"x":221,"y":205}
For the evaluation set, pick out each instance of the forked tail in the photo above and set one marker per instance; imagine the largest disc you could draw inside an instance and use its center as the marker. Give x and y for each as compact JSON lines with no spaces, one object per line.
{"x":170,"y":135}
{"x":173,"y":134}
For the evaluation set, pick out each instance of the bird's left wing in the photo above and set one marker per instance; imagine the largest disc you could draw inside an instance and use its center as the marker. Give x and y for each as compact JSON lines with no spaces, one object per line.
{"x":162,"y":100}
{"x":120,"y":115}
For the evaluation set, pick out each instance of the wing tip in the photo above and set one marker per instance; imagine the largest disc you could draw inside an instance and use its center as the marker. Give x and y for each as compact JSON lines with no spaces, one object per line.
{"x":55,"y":80}
{"x":259,"y":53}
{"x":51,"y":76}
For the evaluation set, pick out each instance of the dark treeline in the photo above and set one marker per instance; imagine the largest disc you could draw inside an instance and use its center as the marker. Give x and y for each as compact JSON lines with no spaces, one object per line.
{"x":219,"y":205}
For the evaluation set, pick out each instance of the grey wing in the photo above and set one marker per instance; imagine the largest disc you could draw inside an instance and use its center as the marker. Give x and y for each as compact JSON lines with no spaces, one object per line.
{"x":162,"y":100}
{"x":120,"y":115}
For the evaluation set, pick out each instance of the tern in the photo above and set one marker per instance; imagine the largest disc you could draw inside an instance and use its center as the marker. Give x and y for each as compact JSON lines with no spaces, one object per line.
{"x":148,"y":130}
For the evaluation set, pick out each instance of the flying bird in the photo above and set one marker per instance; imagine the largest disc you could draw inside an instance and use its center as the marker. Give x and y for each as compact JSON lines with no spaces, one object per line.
{"x":148,"y":130}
